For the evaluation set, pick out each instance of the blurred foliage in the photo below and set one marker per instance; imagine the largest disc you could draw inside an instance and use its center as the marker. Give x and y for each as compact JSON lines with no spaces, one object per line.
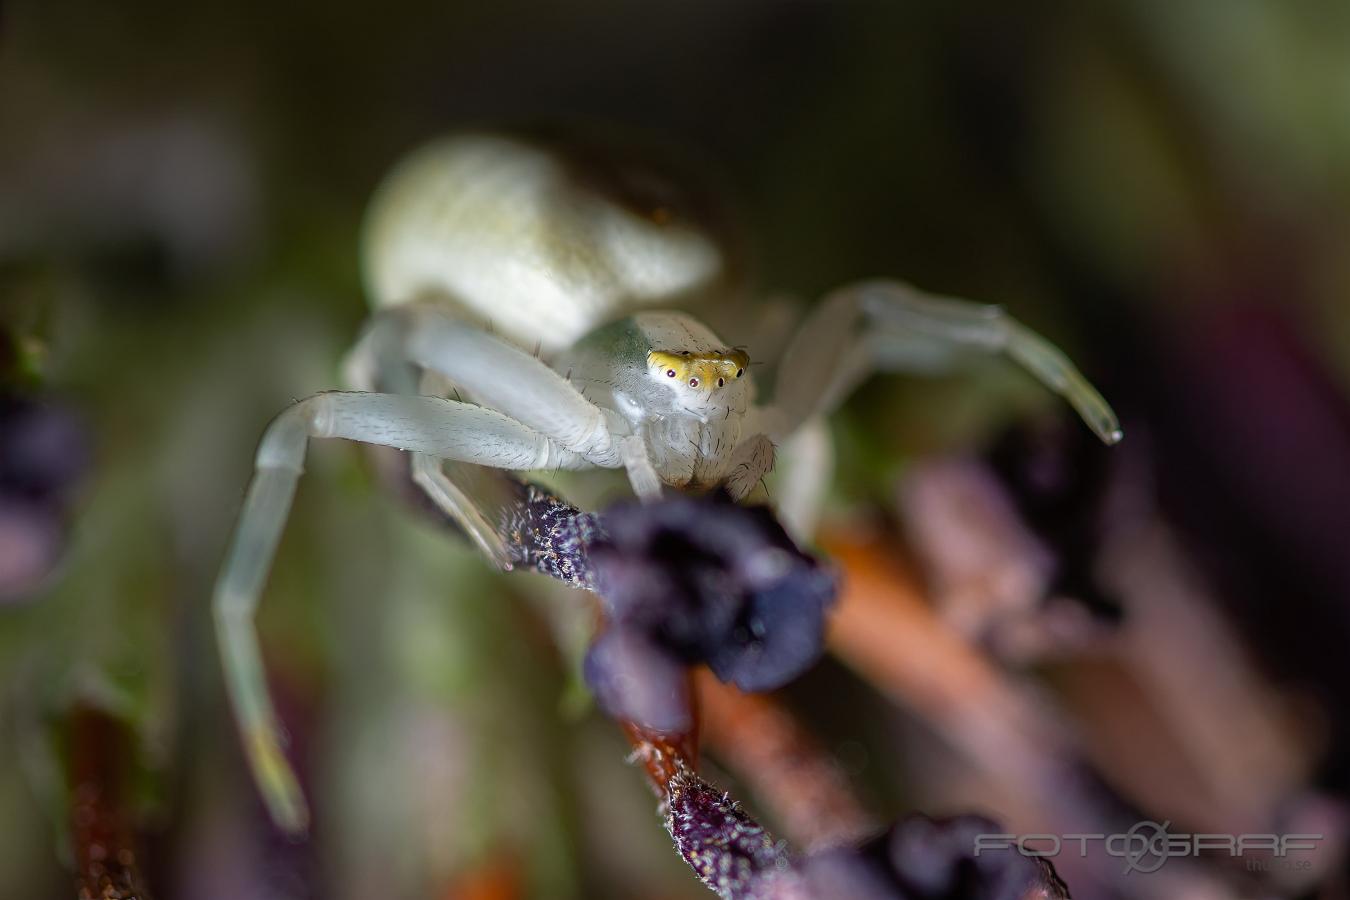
{"x":180,"y":196}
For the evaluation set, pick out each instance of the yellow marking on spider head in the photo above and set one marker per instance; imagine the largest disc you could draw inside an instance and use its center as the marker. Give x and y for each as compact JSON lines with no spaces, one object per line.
{"x":701,"y":371}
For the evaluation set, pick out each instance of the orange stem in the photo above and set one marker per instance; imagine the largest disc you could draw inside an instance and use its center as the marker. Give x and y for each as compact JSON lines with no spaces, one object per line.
{"x":781,"y":761}
{"x":106,"y":864}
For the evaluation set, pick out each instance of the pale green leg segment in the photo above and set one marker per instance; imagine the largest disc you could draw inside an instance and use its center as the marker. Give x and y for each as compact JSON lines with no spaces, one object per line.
{"x":379,"y":362}
{"x":442,"y":428}
{"x":236,"y":597}
{"x":875,"y":325}
{"x":802,"y":478}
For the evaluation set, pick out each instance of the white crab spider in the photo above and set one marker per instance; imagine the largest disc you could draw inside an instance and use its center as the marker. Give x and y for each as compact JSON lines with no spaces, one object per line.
{"x":501,"y":270}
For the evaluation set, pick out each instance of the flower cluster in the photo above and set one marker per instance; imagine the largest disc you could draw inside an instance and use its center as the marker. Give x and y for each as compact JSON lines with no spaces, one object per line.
{"x":700,"y":580}
{"x":917,"y":858}
{"x":693,"y":580}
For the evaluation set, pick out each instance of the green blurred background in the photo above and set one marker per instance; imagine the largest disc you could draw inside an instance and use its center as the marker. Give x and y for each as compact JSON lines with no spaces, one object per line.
{"x":1161,"y":187}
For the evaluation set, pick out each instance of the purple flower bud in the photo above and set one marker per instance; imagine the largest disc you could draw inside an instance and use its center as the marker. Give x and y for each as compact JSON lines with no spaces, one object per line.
{"x":548,"y":534}
{"x":683,"y":581}
{"x":729,"y":851}
{"x":694,"y":580}
{"x":44,"y":450}
{"x":634,"y":679}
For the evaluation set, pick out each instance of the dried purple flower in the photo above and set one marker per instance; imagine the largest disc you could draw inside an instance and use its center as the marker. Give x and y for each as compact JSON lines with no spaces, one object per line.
{"x":44,"y":450}
{"x":690,"y":580}
{"x":1061,"y":483}
{"x":635,"y":679}
{"x":920,"y":858}
{"x":729,"y":851}
{"x":550,"y":535}
{"x":701,"y":580}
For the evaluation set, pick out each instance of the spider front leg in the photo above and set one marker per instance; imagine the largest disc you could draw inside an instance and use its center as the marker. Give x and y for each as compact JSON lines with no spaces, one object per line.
{"x":879,"y":325}
{"x":441,"y":428}
{"x":752,"y":459}
{"x":501,"y":375}
{"x":803,"y":466}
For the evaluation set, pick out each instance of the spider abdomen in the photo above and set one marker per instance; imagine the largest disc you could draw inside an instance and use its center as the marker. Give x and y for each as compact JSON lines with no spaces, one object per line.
{"x":515,"y":233}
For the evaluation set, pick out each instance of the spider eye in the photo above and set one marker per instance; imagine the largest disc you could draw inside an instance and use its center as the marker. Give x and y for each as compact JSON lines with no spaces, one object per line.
{"x":740,"y":372}
{"x":693,"y":382}
{"x":670,"y":373}
{"x":721,"y":381}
